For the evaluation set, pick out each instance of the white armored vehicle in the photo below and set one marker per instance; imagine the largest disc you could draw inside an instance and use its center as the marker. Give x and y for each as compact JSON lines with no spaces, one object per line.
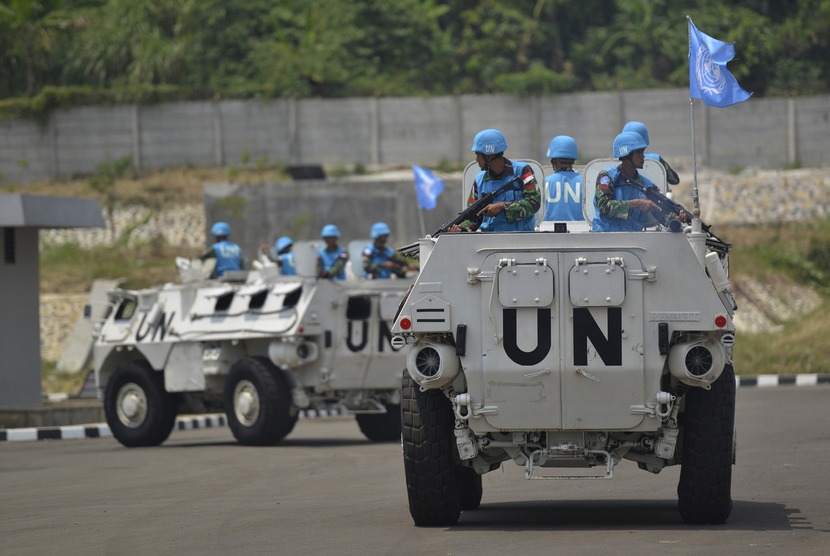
{"x":567,"y":353}
{"x":260,"y":346}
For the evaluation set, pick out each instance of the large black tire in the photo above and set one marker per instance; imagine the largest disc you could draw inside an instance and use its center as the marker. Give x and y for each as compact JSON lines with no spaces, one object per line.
{"x":470,"y":488}
{"x":705,"y":487}
{"x":381,"y":427}
{"x":138,"y":409}
{"x":428,"y":456}
{"x":258,"y":402}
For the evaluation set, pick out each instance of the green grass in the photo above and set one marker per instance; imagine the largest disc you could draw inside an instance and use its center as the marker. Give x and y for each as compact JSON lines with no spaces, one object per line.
{"x":69,"y":268}
{"x":53,"y":382}
{"x":801,"y":346}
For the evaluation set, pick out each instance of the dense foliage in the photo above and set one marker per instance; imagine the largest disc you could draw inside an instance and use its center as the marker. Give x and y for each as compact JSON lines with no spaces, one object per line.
{"x":335,"y":48}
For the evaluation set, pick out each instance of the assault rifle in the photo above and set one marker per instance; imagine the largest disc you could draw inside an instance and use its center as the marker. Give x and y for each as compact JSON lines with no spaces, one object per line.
{"x":470,"y":213}
{"x":669,"y":206}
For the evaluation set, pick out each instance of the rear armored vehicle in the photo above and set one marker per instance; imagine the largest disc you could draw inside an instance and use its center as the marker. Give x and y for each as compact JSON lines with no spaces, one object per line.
{"x":258,"y":346}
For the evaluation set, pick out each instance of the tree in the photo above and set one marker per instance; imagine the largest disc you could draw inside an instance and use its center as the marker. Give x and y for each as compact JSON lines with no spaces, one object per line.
{"x":32,"y":24}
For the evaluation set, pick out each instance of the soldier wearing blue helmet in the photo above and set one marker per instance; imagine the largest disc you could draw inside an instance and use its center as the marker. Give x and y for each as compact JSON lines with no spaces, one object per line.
{"x":512,"y":210}
{"x":331,"y":259}
{"x":563,"y":188}
{"x":620,"y":207}
{"x":639,"y":127}
{"x":228,"y":255}
{"x":380,"y":260}
{"x":281,"y":254}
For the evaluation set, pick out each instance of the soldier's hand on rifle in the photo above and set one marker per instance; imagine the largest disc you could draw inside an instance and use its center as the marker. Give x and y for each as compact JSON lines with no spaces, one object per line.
{"x":454,"y":228}
{"x":644,"y":205}
{"x":493,"y":209}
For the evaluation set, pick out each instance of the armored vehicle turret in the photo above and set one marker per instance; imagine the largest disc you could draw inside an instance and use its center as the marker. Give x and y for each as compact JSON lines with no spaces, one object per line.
{"x":259,"y":346}
{"x":566,"y":352}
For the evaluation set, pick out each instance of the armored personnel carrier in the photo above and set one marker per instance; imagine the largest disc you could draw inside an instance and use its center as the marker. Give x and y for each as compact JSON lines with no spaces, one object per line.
{"x":566,"y":353}
{"x":260,"y":346}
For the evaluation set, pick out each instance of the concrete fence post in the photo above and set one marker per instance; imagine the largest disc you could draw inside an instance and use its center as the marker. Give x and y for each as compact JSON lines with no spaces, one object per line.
{"x":535,"y":122}
{"x":374,"y":131}
{"x":218,"y":139}
{"x":53,"y":147}
{"x":621,"y":119}
{"x":293,"y":131}
{"x":792,"y":132}
{"x":136,"y":136}
{"x":459,"y":129}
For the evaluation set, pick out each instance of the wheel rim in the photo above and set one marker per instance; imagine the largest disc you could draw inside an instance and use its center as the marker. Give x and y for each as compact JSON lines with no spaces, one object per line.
{"x":246,"y":403}
{"x":132,"y":405}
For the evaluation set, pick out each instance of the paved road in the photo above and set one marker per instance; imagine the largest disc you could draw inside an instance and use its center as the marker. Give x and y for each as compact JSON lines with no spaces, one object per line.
{"x":328,"y":491}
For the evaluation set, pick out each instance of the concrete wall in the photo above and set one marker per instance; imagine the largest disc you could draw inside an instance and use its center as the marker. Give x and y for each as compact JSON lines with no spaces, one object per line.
{"x":767,"y":133}
{"x":261,"y":213}
{"x":19,"y":321}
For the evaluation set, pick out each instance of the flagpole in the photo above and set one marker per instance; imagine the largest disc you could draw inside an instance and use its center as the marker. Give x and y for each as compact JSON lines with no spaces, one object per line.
{"x":695,"y":197}
{"x":697,"y":239}
{"x":421,"y":222}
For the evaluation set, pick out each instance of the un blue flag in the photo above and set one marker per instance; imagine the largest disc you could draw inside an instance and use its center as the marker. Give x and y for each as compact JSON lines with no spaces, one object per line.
{"x":427,"y":186}
{"x":709,"y":80}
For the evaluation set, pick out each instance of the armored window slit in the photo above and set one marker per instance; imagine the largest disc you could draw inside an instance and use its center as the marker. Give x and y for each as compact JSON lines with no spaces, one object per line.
{"x":223,"y":302}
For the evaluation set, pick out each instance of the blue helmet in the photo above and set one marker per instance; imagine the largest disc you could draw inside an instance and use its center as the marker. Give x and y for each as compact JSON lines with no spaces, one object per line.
{"x":221,"y":229}
{"x":282,"y":243}
{"x":489,"y":141}
{"x":380,"y":229}
{"x":627,"y":142}
{"x":563,"y":146}
{"x":330,"y":230}
{"x":638,"y":127}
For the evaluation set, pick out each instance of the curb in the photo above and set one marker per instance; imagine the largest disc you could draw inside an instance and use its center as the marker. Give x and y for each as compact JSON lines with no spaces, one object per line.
{"x":767,"y":381}
{"x":101,"y":430}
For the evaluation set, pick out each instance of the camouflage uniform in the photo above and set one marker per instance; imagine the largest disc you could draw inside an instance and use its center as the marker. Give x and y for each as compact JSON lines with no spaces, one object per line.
{"x":332,"y":264}
{"x":612,"y":201}
{"x":522,"y":204}
{"x":374,"y":256}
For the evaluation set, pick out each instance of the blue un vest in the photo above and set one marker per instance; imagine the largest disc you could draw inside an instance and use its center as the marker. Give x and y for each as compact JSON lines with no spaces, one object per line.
{"x":499,"y":222}
{"x":563,"y":196}
{"x":287,"y":261}
{"x":329,"y":258}
{"x":378,"y":256}
{"x":637,"y":219}
{"x":228,"y":257}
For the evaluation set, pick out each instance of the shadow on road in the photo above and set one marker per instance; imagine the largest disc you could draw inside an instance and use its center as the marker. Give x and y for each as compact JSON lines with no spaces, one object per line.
{"x":610,"y":515}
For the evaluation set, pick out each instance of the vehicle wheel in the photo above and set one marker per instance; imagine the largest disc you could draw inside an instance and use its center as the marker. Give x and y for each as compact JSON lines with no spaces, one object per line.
{"x":381,"y":427}
{"x":429,"y":465}
{"x":139,"y":411}
{"x":705,"y":487}
{"x":469,"y":487}
{"x":258,"y":402}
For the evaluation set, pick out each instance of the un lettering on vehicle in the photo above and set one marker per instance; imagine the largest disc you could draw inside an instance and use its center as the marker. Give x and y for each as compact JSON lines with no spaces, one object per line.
{"x":155,"y":332}
{"x":585,"y":333}
{"x":358,"y":336}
